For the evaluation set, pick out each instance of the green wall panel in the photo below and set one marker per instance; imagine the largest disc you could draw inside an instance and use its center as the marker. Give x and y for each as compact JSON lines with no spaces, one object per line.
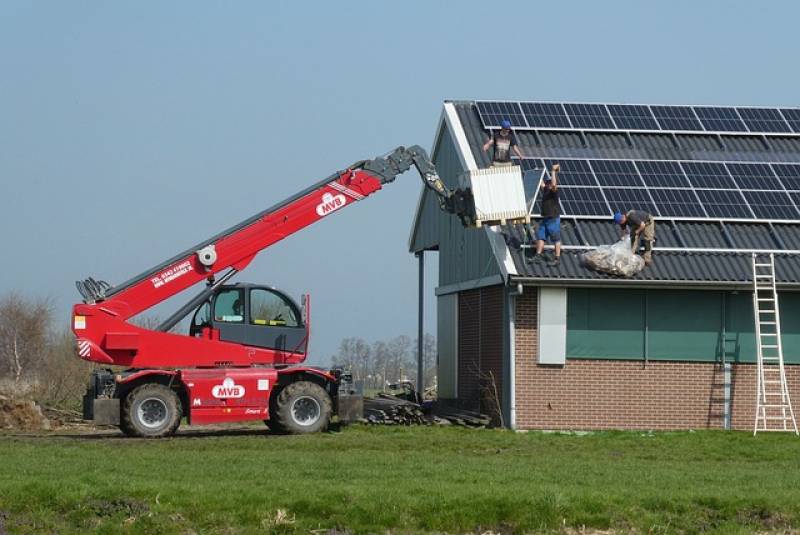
{"x":605,"y":323}
{"x":682,"y":325}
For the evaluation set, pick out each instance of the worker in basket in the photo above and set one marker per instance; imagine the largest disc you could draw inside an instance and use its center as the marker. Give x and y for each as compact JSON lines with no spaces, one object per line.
{"x":504,"y":142}
{"x":639,"y":224}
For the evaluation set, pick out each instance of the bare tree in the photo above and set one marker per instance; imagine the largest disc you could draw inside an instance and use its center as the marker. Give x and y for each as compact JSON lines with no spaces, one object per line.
{"x":24,"y":329}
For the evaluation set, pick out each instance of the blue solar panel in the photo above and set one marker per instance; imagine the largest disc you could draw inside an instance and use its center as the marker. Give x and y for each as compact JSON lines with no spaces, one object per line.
{"x":724,"y":204}
{"x":708,"y":175}
{"x":573,"y":172}
{"x":677,"y":203}
{"x":589,"y":116}
{"x":583,"y":201}
{"x":531,"y":173}
{"x":789,"y":175}
{"x":623,"y":200}
{"x":763,"y":120}
{"x":795,"y":195}
{"x":545,"y":115}
{"x":662,"y":174}
{"x":754,"y":176}
{"x":720,"y":119}
{"x":792,"y":116}
{"x":616,"y":173}
{"x":676,"y":118}
{"x":491,"y":113}
{"x":632,"y":117}
{"x":772,"y":204}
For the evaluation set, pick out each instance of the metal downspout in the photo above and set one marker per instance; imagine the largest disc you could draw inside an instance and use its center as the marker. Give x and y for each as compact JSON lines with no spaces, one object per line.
{"x":420,"y":325}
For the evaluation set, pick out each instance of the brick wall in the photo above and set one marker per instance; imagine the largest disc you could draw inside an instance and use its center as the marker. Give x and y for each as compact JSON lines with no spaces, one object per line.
{"x":480,"y":349}
{"x":609,"y":394}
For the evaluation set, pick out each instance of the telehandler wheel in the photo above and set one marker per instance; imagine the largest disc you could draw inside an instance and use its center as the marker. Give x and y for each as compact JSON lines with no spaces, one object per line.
{"x":300,"y":408}
{"x":151,"y":411}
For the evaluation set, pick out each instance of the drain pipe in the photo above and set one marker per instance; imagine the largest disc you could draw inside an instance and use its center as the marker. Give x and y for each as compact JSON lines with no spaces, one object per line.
{"x":420,"y":325}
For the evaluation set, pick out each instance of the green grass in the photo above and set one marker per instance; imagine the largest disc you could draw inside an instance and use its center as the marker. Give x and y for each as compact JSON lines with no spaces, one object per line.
{"x":404,"y":480}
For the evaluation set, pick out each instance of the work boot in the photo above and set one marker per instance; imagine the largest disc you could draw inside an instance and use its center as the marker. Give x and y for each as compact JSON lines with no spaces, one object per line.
{"x":555,"y":262}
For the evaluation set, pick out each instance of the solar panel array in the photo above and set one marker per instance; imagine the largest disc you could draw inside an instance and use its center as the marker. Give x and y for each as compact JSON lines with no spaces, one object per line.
{"x":671,"y":189}
{"x":553,"y":115}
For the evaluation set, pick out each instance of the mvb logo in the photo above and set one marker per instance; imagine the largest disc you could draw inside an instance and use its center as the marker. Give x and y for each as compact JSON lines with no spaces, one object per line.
{"x":228,"y":389}
{"x":330,"y":203}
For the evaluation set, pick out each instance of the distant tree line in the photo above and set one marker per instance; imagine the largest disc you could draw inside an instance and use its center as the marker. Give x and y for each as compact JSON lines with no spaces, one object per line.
{"x":387,"y":361}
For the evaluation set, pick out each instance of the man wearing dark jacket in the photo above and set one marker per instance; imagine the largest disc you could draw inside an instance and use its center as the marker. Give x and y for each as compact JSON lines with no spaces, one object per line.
{"x":640,"y":224}
{"x":550,"y":225}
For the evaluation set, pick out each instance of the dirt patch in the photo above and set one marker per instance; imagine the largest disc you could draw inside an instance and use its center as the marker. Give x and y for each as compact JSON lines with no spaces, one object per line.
{"x":127,"y":506}
{"x":763,"y":518}
{"x":22,"y":415}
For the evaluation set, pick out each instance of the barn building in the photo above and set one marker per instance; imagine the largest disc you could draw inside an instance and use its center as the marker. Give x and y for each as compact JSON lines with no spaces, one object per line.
{"x":543,"y":347}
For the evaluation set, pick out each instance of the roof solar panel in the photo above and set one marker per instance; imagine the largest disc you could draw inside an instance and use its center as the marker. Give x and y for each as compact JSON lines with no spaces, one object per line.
{"x":589,"y":116}
{"x":795,"y":196}
{"x":708,"y":175}
{"x":677,"y":203}
{"x":772,"y":204}
{"x":583,"y":201}
{"x":491,"y":113}
{"x":532,"y":169}
{"x":573,"y":172}
{"x":753,"y":176}
{"x":676,"y":118}
{"x":789,"y":175}
{"x":792,"y":116}
{"x":622,"y":200}
{"x":724,"y":204}
{"x":616,"y":173}
{"x":545,"y":115}
{"x":720,"y":119}
{"x":633,"y":117}
{"x":763,"y":120}
{"x":662,"y":174}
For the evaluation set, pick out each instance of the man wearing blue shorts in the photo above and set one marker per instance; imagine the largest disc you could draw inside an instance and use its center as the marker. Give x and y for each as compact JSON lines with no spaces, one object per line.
{"x":550,"y":225}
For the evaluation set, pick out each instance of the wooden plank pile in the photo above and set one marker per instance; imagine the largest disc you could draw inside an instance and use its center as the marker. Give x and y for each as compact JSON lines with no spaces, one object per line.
{"x":386,"y":409}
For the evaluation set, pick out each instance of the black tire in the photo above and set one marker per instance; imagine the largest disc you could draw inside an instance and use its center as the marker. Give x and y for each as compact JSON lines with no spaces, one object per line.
{"x":151,"y":411}
{"x":300,"y":408}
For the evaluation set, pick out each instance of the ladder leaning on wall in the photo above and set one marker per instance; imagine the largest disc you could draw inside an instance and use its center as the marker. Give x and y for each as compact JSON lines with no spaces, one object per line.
{"x":773,"y":407}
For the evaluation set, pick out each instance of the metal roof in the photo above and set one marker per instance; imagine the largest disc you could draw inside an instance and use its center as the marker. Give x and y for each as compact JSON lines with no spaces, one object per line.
{"x":670,"y":267}
{"x":690,"y":253}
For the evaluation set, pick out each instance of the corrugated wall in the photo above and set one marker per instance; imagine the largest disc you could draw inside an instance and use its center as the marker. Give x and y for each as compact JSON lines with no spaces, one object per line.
{"x":465,"y":254}
{"x":480,"y":350}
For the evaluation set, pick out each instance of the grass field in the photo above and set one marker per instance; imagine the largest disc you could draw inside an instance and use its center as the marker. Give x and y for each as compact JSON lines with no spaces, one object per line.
{"x":401,"y":480}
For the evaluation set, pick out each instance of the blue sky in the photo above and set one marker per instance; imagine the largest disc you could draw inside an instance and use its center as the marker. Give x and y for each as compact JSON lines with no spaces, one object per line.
{"x":129,"y":132}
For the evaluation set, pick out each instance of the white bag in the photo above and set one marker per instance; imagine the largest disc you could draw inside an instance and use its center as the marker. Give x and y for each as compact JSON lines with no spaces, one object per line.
{"x":616,"y":259}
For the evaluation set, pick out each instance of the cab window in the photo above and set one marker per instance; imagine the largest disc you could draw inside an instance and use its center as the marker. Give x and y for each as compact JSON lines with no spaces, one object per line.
{"x":229,"y":306}
{"x":272,"y":309}
{"x":202,"y":315}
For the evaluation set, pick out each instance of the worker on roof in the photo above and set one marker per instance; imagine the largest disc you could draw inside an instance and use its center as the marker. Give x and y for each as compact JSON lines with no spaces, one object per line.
{"x":504,"y":142}
{"x":639,"y":224}
{"x":550,"y":225}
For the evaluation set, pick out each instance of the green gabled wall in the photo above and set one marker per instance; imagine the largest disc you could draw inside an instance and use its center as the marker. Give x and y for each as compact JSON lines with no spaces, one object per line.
{"x":464,"y":254}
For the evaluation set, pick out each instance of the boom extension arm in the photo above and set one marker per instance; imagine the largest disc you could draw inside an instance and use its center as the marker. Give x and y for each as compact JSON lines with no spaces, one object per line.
{"x":236,"y":247}
{"x":458,"y":202}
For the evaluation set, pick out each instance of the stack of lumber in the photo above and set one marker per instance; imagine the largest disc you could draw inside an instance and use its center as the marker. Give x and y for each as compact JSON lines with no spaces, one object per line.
{"x":386,"y":409}
{"x":391,"y":410}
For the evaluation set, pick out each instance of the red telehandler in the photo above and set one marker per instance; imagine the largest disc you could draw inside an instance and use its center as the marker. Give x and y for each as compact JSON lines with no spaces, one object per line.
{"x":241,"y":358}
